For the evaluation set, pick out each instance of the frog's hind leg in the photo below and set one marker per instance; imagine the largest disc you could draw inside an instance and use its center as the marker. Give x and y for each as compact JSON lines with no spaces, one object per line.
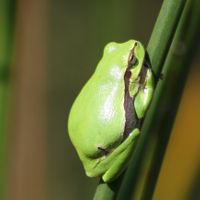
{"x":118,"y":158}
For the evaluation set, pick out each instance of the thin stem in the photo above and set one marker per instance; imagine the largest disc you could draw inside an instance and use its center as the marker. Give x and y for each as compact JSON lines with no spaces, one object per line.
{"x":158,"y":47}
{"x":159,"y":120}
{"x":175,"y":70}
{"x":163,"y":32}
{"x":107,"y":191}
{"x":6,"y":20}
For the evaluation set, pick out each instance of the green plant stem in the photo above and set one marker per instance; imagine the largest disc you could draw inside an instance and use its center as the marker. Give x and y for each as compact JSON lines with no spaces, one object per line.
{"x":176,"y":69}
{"x":159,"y":120}
{"x":158,"y":47}
{"x":163,"y":32}
{"x":107,"y":191}
{"x":6,"y":20}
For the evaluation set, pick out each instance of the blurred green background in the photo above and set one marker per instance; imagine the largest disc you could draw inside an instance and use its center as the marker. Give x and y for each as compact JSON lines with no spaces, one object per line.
{"x":55,"y":48}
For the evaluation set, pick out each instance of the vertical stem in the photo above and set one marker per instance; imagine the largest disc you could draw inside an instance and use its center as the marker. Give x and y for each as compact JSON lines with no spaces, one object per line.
{"x":27,"y":163}
{"x":6,"y":22}
{"x":169,"y":91}
{"x":108,"y":191}
{"x":163,"y":32}
{"x":158,"y":48}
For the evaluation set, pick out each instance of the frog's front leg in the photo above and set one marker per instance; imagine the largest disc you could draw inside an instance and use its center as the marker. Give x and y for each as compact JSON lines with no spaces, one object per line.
{"x":145,"y":92}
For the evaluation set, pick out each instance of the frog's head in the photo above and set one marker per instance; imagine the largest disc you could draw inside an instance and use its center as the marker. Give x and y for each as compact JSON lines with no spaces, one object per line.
{"x":128,"y":56}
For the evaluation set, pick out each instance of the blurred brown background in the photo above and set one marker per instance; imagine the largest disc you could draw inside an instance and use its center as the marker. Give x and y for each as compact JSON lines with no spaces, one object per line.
{"x":56,"y":47}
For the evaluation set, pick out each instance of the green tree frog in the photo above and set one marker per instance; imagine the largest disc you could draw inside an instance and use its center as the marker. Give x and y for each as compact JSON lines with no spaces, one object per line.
{"x":105,"y":119}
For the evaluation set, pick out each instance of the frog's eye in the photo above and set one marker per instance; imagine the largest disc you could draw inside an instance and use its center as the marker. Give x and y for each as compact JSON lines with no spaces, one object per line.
{"x":132,"y":60}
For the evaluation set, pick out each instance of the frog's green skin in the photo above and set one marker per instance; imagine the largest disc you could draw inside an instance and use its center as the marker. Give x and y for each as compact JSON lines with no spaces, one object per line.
{"x":97,"y":118}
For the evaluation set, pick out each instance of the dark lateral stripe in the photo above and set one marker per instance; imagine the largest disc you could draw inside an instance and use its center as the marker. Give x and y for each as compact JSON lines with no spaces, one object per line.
{"x":130,"y":114}
{"x":131,"y":119}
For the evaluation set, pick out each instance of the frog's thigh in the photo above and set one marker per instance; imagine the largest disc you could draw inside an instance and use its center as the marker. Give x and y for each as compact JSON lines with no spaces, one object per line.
{"x":119,"y":163}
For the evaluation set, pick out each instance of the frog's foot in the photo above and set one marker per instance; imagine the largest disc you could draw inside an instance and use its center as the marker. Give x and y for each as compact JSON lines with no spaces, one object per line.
{"x":160,"y":76}
{"x":144,"y":94}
